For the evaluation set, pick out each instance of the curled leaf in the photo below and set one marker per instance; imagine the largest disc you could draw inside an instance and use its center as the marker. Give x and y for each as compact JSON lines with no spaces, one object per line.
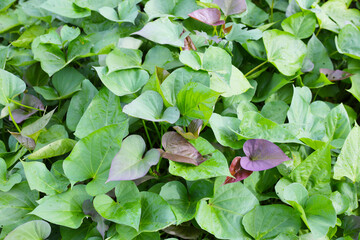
{"x":210,"y":16}
{"x":189,"y":44}
{"x":237,"y":171}
{"x":261,"y":154}
{"x":194,"y":129}
{"x":335,"y":75}
{"x":27,"y":142}
{"x":178,"y":149}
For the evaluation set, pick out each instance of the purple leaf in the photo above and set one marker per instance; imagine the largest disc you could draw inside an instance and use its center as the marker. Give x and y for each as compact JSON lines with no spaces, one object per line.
{"x":194,"y":129}
{"x":230,"y":7}
{"x":237,"y":171}
{"x":24,"y":113}
{"x":261,"y":154}
{"x":335,"y":75}
{"x":178,"y":149}
{"x":88,"y":209}
{"x":210,"y":16}
{"x":27,"y":142}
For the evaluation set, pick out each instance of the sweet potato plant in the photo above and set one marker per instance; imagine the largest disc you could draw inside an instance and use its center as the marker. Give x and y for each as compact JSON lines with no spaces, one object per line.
{"x":179,"y":119}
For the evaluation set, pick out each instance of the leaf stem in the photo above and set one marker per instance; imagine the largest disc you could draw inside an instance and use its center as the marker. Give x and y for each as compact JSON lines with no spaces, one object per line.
{"x":272,"y":11}
{"x":318,"y":31}
{"x":215,"y":31}
{"x":147,"y":134}
{"x":20,"y":104}
{"x":255,"y":68}
{"x":13,"y":120}
{"x":157,"y":131}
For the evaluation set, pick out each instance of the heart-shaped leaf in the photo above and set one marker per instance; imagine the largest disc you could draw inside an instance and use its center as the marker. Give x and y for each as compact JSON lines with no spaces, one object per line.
{"x":149,"y":106}
{"x":210,"y":16}
{"x":129,"y":163}
{"x":36,"y":229}
{"x":335,"y":75}
{"x":237,"y":171}
{"x":10,"y":86}
{"x":230,"y":7}
{"x":123,"y":58}
{"x":127,"y":12}
{"x":261,"y":154}
{"x":178,"y":149}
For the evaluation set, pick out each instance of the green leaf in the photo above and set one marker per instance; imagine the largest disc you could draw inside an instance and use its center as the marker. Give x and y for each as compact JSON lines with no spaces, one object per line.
{"x":104,"y":110}
{"x":127,"y":12}
{"x":28,"y":36}
{"x":275,"y":111}
{"x":79,"y":103}
{"x":92,"y":155}
{"x":163,"y":31}
{"x":301,"y":24}
{"x":318,"y":55}
{"x":337,"y":126}
{"x":255,"y":15}
{"x":347,"y":164}
{"x":215,"y":165}
{"x":129,"y":163}
{"x":123,"y":82}
{"x":222,"y":215}
{"x":149,"y":106}
{"x":176,"y":194}
{"x":63,"y":209}
{"x":164,"y":8}
{"x":41,"y":179}
{"x":268,"y":221}
{"x":66,"y":82}
{"x":236,"y":85}
{"x":96,"y":5}
{"x":191,"y":59}
{"x":196,"y":101}
{"x":217,"y":61}
{"x":7,"y":182}
{"x":17,"y":203}
{"x":284,"y":51}
{"x":354,"y":68}
{"x":156,"y":213}
{"x":240,"y":34}
{"x":315,"y":172}
{"x":3,"y":56}
{"x":10,"y":86}
{"x":5,"y":4}
{"x":254,"y":125}
{"x":67,"y":34}
{"x":127,"y":208}
{"x":32,"y":230}
{"x":65,"y":8}
{"x":347,"y":42}
{"x":159,"y":56}
{"x":223,"y":130}
{"x":123,"y":58}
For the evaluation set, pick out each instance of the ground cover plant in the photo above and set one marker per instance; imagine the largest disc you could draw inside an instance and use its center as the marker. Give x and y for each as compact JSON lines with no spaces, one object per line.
{"x":158,"y":119}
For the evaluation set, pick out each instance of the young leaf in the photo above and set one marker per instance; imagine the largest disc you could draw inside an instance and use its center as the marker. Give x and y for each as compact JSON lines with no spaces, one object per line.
{"x":261,"y":155}
{"x":178,"y":149}
{"x":53,"y":149}
{"x":64,"y":209}
{"x":335,"y":75}
{"x":231,"y":7}
{"x":66,"y":8}
{"x":349,"y":158}
{"x":222,"y":215}
{"x":36,"y":229}
{"x":284,"y":51}
{"x":129,"y":163}
{"x":92,"y":155}
{"x":27,"y":142}
{"x":32,"y":130}
{"x":210,"y":16}
{"x":194,"y":129}
{"x":127,"y":208}
{"x":23,"y":113}
{"x":88,"y":209}
{"x":237,"y":171}
{"x":149,"y":106}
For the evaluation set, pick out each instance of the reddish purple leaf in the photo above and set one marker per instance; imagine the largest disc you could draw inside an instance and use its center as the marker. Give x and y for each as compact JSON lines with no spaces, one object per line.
{"x":189,"y":44}
{"x":237,"y":171}
{"x":178,"y":149}
{"x":230,"y":7}
{"x":261,"y":154}
{"x":88,"y":209}
{"x":194,"y":129}
{"x":210,"y":16}
{"x":27,"y":142}
{"x":24,"y":113}
{"x":335,"y":75}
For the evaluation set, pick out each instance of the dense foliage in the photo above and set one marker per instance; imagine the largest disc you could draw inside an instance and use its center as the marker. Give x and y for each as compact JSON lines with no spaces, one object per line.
{"x":183,"y":119}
